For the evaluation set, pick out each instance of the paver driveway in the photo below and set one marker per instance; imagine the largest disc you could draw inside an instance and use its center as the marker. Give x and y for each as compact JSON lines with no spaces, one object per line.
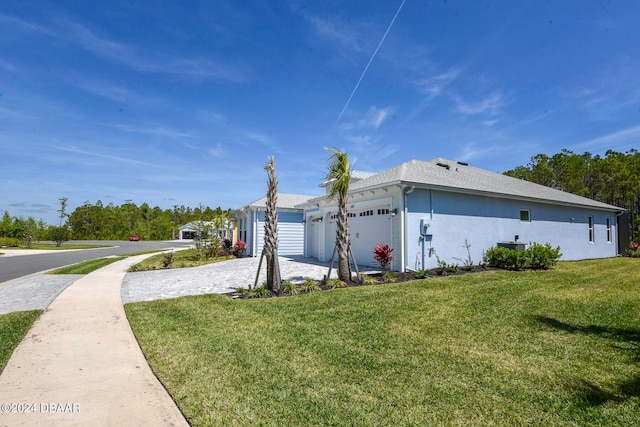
{"x":217,"y":278}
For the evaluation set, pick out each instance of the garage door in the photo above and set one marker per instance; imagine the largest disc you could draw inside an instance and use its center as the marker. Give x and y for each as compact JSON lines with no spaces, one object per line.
{"x":367,"y":227}
{"x":290,"y":239}
{"x":313,"y":238}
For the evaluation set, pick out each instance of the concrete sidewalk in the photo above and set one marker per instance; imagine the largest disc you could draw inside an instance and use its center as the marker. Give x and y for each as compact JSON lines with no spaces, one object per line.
{"x":81,"y":365}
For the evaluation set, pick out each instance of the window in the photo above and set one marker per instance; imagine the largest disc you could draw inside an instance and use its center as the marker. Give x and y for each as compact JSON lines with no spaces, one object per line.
{"x":609,"y":230}
{"x":525,"y":215}
{"x":591,"y":236}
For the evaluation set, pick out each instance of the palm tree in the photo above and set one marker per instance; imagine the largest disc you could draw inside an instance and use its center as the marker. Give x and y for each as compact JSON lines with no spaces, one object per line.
{"x":271,"y":228}
{"x":339,"y":176}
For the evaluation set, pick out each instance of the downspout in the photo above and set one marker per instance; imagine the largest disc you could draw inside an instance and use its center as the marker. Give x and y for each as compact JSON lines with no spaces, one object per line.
{"x":404,"y":234}
{"x":617,"y":234}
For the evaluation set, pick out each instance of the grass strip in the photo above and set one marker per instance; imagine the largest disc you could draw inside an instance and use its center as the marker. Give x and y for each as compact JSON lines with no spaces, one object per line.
{"x":13,"y":327}
{"x":181,"y":259}
{"x":86,"y":267}
{"x":549,"y":348}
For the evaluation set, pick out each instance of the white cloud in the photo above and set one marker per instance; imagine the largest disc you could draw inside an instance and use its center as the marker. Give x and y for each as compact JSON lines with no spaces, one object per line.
{"x":375,"y":117}
{"x":262,"y":139}
{"x":157,"y":131}
{"x":75,"y":150}
{"x":436,"y":85}
{"x":218,"y":151}
{"x":610,"y":140}
{"x":134,"y":58}
{"x":211,"y":116}
{"x":490,"y":104}
{"x":345,"y":35}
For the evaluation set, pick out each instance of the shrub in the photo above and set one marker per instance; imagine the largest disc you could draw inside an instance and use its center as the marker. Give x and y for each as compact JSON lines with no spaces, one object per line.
{"x":9,"y":242}
{"x":451,"y":268}
{"x":167,"y":259}
{"x":382,"y":254}
{"x":389,"y":278}
{"x":259,"y":292}
{"x":227,"y":244}
{"x":239,"y":247}
{"x":310,"y":285}
{"x":537,"y":257}
{"x":543,"y":257}
{"x":59,"y":235}
{"x":336,"y":283}
{"x":634,"y":250}
{"x":421,"y":274}
{"x":442,"y":265}
{"x":289,"y":287}
{"x":368,"y":280}
{"x":508,"y":259}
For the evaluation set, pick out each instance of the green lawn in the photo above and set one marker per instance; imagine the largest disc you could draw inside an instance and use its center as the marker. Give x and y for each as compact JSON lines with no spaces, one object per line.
{"x":181,"y":258}
{"x":13,"y":327}
{"x":86,"y":267}
{"x":546,"y":348}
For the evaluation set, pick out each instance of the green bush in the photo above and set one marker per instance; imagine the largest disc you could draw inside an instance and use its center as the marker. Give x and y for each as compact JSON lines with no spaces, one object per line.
{"x":10,"y":242}
{"x":634,"y":250}
{"x":389,"y":278}
{"x":536,"y":257}
{"x":289,"y":287}
{"x":421,"y":274}
{"x":336,"y":283}
{"x":310,"y":285}
{"x":543,"y":257}
{"x":368,"y":280}
{"x":259,"y":292}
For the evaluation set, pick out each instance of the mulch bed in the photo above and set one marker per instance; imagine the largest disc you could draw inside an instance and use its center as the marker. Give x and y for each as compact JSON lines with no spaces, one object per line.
{"x":399,"y":277}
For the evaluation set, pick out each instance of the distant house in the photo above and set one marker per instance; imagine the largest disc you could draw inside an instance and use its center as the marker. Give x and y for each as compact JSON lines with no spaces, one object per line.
{"x":250,"y":224}
{"x":427,"y":210}
{"x":197,"y":229}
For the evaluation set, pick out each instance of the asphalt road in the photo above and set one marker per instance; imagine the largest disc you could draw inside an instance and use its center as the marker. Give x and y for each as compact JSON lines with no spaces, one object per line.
{"x":18,"y":266}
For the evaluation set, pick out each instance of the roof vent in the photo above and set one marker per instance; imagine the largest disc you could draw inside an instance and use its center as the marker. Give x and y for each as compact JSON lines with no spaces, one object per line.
{"x":463,"y":163}
{"x":444,"y":165}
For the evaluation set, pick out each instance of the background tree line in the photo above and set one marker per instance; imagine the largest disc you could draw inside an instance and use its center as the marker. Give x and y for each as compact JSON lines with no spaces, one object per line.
{"x":612,"y":179}
{"x":96,"y":221}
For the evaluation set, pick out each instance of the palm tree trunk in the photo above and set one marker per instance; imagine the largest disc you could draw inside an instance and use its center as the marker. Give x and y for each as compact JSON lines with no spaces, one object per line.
{"x":271,"y":228}
{"x":342,"y":240}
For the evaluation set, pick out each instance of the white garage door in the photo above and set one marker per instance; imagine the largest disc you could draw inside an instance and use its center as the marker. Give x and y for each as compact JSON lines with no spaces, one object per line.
{"x":313,"y":238}
{"x":367,"y":227}
{"x":290,"y":238}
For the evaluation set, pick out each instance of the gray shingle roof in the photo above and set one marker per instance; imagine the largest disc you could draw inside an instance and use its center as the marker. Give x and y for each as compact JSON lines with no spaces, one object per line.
{"x":285,"y":201}
{"x":469,"y":179}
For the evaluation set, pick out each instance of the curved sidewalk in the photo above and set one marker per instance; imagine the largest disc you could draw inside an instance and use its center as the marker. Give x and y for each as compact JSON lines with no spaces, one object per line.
{"x":80,"y":364}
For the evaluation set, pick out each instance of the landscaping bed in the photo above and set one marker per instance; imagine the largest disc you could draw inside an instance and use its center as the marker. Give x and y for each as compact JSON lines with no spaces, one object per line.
{"x":310,"y":285}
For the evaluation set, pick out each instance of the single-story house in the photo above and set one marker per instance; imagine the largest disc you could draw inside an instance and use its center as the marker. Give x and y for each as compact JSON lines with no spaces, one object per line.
{"x":435,"y":209}
{"x":193,"y":229}
{"x":250,"y":224}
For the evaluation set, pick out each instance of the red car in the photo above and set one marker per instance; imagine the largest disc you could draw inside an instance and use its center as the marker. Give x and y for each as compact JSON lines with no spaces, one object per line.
{"x":134,"y":238}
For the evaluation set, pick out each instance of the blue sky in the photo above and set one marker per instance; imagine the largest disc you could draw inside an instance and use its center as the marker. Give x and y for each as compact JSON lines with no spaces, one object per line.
{"x":181,"y":103}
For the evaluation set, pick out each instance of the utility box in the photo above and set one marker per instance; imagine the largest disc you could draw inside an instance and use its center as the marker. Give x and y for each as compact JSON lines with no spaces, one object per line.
{"x":513,"y":245}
